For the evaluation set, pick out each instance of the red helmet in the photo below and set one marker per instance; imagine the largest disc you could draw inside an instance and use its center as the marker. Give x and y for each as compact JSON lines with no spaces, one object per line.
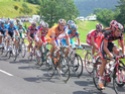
{"x":112,"y":23}
{"x":99,"y":27}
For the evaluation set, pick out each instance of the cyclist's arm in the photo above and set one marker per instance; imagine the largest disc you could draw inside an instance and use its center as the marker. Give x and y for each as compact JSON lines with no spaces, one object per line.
{"x":122,"y":46}
{"x":68,"y":39}
{"x":94,"y":43}
{"x":106,"y":49}
{"x":38,"y":34}
{"x":28,"y":34}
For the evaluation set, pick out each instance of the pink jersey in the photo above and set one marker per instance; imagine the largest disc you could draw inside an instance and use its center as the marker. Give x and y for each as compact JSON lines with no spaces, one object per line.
{"x":92,"y":33}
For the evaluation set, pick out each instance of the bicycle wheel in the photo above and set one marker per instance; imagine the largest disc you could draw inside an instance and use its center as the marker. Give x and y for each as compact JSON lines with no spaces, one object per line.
{"x":15,"y":54}
{"x":119,"y":79}
{"x":77,"y":65}
{"x":88,"y":62}
{"x":50,"y":67}
{"x":63,"y":69}
{"x":23,"y":50}
{"x":96,"y":74}
{"x":1,"y":50}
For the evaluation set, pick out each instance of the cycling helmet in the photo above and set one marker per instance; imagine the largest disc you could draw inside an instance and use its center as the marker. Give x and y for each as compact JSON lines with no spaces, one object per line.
{"x":33,"y":23}
{"x":62,"y":21}
{"x":44,"y":24}
{"x":112,"y":23}
{"x":119,"y":26}
{"x":73,"y":27}
{"x":99,"y":27}
{"x":70,"y":22}
{"x":2,"y":22}
{"x":11,"y":22}
{"x":20,"y":24}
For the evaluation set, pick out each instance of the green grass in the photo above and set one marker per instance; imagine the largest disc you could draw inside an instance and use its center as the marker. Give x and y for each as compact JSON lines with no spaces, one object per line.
{"x":7,"y":8}
{"x":84,"y":27}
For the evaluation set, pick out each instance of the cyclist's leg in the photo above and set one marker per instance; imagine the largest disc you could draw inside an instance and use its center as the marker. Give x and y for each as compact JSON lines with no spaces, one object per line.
{"x":104,"y":62}
{"x":16,"y":39}
{"x":64,"y":43}
{"x":1,"y":37}
{"x":10,"y":34}
{"x":30,"y":40}
{"x":116,"y":50}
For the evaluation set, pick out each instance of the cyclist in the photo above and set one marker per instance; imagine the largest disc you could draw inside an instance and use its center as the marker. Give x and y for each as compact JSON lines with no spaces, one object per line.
{"x":31,"y":32}
{"x":21,"y":30}
{"x":69,"y":22}
{"x":12,"y":32}
{"x":40,"y":36}
{"x":3,"y":29}
{"x":108,"y":48}
{"x":92,"y":36}
{"x":55,"y":34}
{"x":73,"y":33}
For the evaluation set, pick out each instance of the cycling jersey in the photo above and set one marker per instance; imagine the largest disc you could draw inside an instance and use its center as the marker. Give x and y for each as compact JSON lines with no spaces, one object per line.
{"x":72,"y":35}
{"x":92,"y":33}
{"x":53,"y":33}
{"x":43,"y":34}
{"x":61,"y":39}
{"x":32,"y":31}
{"x":11,"y":30}
{"x":109,"y":37}
{"x":3,"y":29}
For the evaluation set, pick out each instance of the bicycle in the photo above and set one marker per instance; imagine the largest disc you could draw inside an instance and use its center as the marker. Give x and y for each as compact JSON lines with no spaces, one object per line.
{"x":118,"y":71}
{"x":62,"y":66}
{"x":88,"y":59}
{"x":75,"y":62}
{"x":41,"y":55}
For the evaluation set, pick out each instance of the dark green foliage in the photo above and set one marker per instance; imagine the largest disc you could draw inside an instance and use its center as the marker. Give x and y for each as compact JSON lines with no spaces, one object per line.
{"x":52,"y":10}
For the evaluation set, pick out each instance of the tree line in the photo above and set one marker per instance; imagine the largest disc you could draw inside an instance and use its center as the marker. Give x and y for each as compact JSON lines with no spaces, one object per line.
{"x":106,"y":15}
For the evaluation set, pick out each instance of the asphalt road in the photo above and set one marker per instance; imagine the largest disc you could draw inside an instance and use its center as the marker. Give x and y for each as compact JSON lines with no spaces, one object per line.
{"x":22,"y":77}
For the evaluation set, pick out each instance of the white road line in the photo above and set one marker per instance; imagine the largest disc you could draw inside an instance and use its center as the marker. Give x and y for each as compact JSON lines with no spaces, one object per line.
{"x":6,"y":73}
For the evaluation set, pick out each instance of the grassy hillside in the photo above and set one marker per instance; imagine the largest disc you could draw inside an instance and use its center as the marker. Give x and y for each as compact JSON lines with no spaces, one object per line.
{"x":84,"y":27}
{"x":7,"y":8}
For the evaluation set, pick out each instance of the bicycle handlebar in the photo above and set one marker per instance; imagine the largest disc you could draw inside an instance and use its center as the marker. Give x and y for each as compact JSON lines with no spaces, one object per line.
{"x":116,"y":57}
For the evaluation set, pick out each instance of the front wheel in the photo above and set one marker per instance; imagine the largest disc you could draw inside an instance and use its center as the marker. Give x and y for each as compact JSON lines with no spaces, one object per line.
{"x":88,"y":62}
{"x":119,"y":79}
{"x":96,"y":74}
{"x":76,"y":65}
{"x":23,"y":50}
{"x":63,"y":67}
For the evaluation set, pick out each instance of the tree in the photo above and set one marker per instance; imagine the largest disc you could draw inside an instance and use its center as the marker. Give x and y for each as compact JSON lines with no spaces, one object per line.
{"x":105,"y":15}
{"x":52,"y":10}
{"x":121,"y":8}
